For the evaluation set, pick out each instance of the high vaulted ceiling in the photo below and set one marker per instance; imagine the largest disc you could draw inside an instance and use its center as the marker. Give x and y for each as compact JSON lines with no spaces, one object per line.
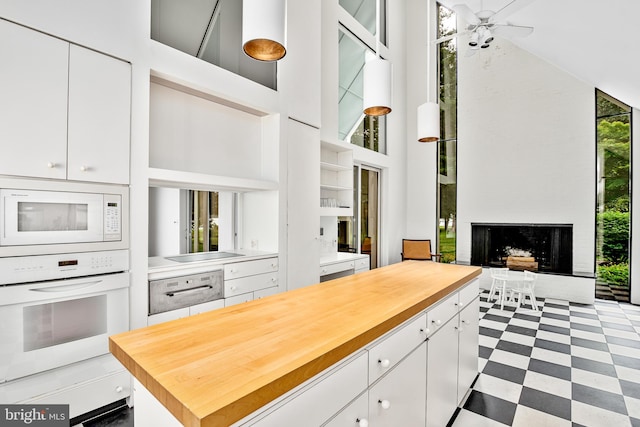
{"x":597,"y":41}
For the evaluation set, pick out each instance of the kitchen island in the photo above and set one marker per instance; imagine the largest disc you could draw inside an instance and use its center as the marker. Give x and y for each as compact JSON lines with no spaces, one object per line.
{"x":216,"y":368}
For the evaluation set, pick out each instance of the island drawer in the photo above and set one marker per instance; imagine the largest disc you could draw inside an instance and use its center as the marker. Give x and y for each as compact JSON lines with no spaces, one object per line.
{"x":469,"y":293}
{"x":318,"y":400}
{"x":392,"y":348}
{"x":440,"y":314}
{"x":250,"y":268}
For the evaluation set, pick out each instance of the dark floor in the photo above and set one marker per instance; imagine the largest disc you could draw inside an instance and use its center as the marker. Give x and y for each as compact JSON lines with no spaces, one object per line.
{"x":566,"y":365}
{"x":122,"y":416}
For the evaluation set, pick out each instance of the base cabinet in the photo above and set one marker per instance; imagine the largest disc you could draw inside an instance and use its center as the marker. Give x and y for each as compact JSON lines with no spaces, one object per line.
{"x":442,"y":374}
{"x":469,"y":333}
{"x":398,"y":399}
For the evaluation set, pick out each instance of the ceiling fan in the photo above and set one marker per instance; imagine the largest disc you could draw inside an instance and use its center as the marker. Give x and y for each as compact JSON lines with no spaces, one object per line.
{"x":484,"y":24}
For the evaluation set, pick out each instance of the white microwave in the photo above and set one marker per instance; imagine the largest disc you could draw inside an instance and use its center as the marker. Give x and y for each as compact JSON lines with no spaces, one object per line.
{"x":43,"y":217}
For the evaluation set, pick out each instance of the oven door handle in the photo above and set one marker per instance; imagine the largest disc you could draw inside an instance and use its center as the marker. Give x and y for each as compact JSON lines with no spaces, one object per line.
{"x":65,"y":288}
{"x":181,"y":291}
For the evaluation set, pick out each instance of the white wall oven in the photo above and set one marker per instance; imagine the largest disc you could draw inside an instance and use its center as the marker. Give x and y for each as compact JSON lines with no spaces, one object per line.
{"x":42,"y":217}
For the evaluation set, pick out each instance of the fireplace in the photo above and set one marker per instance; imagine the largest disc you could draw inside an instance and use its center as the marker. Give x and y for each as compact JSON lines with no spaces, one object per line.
{"x":536,"y":247}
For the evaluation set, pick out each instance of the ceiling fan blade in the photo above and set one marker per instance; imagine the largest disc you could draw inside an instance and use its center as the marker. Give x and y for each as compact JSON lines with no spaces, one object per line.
{"x":509,"y":9}
{"x":450,"y":37}
{"x":463,"y":11}
{"x":511,"y":30}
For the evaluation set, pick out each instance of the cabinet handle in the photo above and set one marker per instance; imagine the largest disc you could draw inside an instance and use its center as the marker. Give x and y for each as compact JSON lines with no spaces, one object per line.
{"x":466,"y":322}
{"x":51,"y":165}
{"x":437,"y":322}
{"x":119,"y":389}
{"x":362,"y":422}
{"x":84,"y":168}
{"x":384,"y":363}
{"x":426,"y":331}
{"x":273,"y":279}
{"x":385,"y":404}
{"x":273,"y":265}
{"x":458,"y":329}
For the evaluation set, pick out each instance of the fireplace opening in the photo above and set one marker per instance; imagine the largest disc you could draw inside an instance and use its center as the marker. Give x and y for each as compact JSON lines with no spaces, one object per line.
{"x":535,"y":247}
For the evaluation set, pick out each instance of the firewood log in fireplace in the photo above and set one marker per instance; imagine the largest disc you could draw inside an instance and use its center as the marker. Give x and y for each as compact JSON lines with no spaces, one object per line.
{"x":522,"y":263}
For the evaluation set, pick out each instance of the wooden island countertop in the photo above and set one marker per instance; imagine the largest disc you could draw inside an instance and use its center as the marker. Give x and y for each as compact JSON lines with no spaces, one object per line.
{"x":215,"y":368}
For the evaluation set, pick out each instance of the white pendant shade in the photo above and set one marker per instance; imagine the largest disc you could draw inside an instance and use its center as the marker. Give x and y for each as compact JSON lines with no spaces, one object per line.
{"x":263,"y":29}
{"x":377,"y":87}
{"x":428,"y":122}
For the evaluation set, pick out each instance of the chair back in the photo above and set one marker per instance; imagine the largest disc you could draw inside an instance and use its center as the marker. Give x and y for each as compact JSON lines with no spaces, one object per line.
{"x":416,"y":249}
{"x":529,"y":279}
{"x":498,"y":273}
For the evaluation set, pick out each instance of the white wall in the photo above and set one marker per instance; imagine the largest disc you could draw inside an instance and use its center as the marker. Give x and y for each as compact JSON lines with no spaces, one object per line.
{"x":526,"y":147}
{"x":189,"y":133}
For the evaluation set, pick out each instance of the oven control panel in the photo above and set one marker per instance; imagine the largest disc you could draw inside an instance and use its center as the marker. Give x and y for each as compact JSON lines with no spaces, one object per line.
{"x":16,"y":270}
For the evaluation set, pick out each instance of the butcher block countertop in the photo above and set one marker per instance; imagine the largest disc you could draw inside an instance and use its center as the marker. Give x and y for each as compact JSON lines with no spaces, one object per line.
{"x":213,"y":369}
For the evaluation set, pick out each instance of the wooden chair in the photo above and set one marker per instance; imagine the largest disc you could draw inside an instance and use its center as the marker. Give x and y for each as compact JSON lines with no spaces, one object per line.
{"x":418,"y":250}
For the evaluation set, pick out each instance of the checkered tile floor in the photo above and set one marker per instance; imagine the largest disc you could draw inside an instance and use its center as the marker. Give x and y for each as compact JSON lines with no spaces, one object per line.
{"x":566,"y":365}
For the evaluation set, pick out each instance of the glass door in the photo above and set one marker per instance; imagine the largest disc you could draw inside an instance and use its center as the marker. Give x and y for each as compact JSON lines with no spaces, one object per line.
{"x":360,"y":233}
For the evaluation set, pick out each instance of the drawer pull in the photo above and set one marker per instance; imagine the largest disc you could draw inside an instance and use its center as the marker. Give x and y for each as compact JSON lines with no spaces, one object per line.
{"x":458,"y":329}
{"x":437,"y":322}
{"x":426,"y":331}
{"x":385,"y":363}
{"x":362,"y":422}
{"x":119,"y":389}
{"x":182,"y":291}
{"x":385,"y":404}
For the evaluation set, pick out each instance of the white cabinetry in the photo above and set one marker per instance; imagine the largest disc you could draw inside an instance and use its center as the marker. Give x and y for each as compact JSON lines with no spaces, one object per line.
{"x":99,"y":117}
{"x":33,"y":104}
{"x":247,"y":280}
{"x":452,"y":357}
{"x":398,"y":399}
{"x":336,"y":180}
{"x":303,"y":220}
{"x":318,"y":400}
{"x":65,"y":109}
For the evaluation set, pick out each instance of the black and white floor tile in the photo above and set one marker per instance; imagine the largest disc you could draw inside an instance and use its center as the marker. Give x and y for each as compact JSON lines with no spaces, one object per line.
{"x":565,"y":365}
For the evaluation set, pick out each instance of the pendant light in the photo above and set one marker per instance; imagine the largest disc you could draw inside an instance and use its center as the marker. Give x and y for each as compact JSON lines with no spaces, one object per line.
{"x":376,"y":99}
{"x":429,"y":112}
{"x":376,"y":96}
{"x":263,"y":29}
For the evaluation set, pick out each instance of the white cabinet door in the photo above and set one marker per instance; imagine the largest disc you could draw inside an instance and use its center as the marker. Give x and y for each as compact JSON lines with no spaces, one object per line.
{"x":303,"y":218}
{"x":442,"y":374}
{"x":398,"y":399}
{"x":99,"y":117}
{"x":469,"y":333}
{"x":33,"y":103}
{"x":355,"y":414}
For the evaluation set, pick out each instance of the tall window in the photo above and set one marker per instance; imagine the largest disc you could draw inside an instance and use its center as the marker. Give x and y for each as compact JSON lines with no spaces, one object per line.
{"x":353,"y":126}
{"x":447,"y":145}
{"x":613,"y":122}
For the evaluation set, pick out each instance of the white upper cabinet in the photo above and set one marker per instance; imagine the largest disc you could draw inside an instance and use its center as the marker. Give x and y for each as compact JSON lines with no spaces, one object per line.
{"x":33,"y":103}
{"x":65,"y":109}
{"x":99,"y":117}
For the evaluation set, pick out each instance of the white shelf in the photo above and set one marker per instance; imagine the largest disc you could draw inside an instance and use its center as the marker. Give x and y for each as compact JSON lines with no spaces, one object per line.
{"x":335,"y":167}
{"x":336,"y":212}
{"x":205,"y":182}
{"x":335,"y":187}
{"x":336,"y":180}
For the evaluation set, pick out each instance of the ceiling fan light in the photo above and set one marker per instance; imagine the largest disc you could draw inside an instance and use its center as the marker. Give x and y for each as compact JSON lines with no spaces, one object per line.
{"x":428,"y":122}
{"x":376,"y":99}
{"x":473,"y":41}
{"x":487,"y":37}
{"x":264,"y":29}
